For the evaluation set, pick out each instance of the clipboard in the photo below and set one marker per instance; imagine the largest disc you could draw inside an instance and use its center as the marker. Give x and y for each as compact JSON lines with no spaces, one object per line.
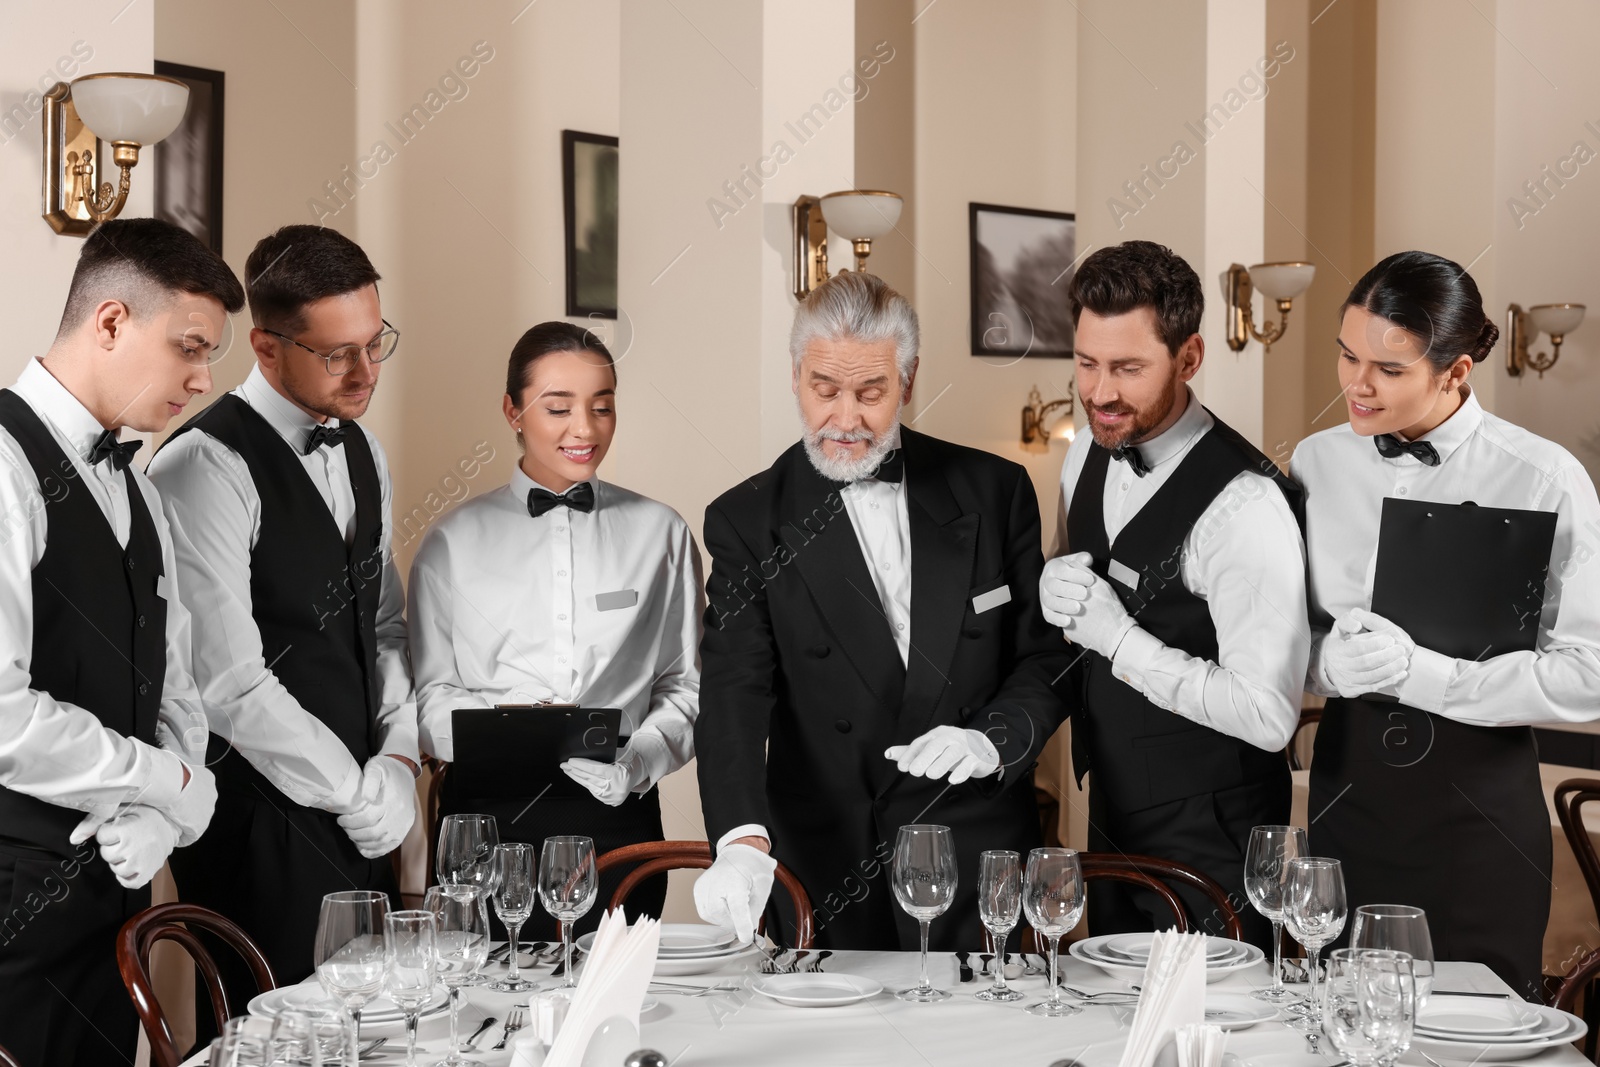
{"x":1463,"y":580}
{"x":514,"y":751}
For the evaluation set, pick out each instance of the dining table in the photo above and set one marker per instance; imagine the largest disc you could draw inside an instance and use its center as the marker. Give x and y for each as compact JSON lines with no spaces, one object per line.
{"x":739,"y":1027}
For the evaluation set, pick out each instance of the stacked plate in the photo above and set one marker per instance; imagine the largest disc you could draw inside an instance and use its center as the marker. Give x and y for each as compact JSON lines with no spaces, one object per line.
{"x":1126,"y":955}
{"x":690,"y":948}
{"x":1479,"y":1029}
{"x":310,"y":996}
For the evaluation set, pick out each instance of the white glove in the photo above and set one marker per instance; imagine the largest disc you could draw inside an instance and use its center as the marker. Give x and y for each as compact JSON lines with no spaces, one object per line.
{"x":1083,"y":604}
{"x":389,"y":804}
{"x":638,"y":766}
{"x":1365,"y":653}
{"x":947,"y":750}
{"x":733,"y":892}
{"x":135,"y":844}
{"x":190,"y":814}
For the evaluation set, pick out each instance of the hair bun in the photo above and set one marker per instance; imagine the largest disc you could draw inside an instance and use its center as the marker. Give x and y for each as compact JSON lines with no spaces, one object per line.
{"x":1486,"y":341}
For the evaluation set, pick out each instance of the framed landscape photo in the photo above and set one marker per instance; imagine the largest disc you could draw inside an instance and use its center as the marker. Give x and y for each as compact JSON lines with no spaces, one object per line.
{"x":589,"y":180}
{"x":188,"y":163}
{"x":1022,"y":261}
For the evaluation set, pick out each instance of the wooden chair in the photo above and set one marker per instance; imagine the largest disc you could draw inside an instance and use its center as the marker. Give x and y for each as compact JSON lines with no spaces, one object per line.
{"x":1154,"y":874}
{"x":178,"y":922}
{"x":430,"y":812}
{"x":1570,"y":797}
{"x":1308,"y":717}
{"x":657,"y":857}
{"x":7,"y":1059}
{"x":1580,"y":980}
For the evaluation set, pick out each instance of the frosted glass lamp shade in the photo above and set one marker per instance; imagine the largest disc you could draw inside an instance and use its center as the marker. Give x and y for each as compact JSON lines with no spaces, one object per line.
{"x":1556,"y":320}
{"x":860,"y":214}
{"x":141,"y":108}
{"x":1282,"y":281}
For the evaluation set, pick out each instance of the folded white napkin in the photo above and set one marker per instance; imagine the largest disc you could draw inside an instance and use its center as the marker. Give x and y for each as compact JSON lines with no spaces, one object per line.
{"x":613,"y":984}
{"x":1199,"y":1045}
{"x":1172,"y":995}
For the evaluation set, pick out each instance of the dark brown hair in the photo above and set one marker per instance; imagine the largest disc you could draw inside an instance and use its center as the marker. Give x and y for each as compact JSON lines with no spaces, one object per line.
{"x":299,"y":265}
{"x":1434,"y":300}
{"x":1136,"y":274}
{"x":542,"y":340}
{"x":141,"y":262}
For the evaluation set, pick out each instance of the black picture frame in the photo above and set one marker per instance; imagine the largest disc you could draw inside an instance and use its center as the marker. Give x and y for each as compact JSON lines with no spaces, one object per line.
{"x":1019,"y":274}
{"x":589,"y":175}
{"x":188,"y":163}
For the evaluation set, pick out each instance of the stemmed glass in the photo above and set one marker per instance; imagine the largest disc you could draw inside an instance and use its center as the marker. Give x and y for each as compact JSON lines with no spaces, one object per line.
{"x":999,"y":906}
{"x":1400,"y":928}
{"x":1314,"y":911}
{"x":1266,"y":880}
{"x":246,"y":1041}
{"x":567,"y":888}
{"x":516,"y":891}
{"x":1053,"y":897}
{"x":1370,"y":1006}
{"x":349,"y":950}
{"x":465,"y":855}
{"x":923,"y":873}
{"x":410,"y":962}
{"x":461,"y":920}
{"x":294,"y":1041}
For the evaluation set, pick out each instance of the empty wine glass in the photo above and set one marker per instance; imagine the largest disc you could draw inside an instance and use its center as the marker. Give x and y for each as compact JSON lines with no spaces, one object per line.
{"x":461,"y":921}
{"x":1370,"y":1005}
{"x":567,"y":887}
{"x":999,"y":907}
{"x":465,"y":855}
{"x":294,"y":1041}
{"x":1314,"y":912}
{"x":246,"y":1041}
{"x":1266,"y":878}
{"x":516,"y":891}
{"x":923,"y":874}
{"x":349,"y":951}
{"x":1400,"y":928}
{"x":410,"y":965}
{"x":1053,"y":897}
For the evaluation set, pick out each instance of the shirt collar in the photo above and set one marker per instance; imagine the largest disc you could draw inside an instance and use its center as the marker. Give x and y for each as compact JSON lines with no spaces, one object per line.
{"x":292,"y":424}
{"x":1172,"y":441}
{"x":52,"y":402}
{"x":1453,"y":432}
{"x":520,"y":485}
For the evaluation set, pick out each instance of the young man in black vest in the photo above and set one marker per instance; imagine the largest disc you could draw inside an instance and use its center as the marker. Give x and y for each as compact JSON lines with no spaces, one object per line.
{"x":102,"y":739}
{"x":1184,"y":589}
{"x":280,"y":509}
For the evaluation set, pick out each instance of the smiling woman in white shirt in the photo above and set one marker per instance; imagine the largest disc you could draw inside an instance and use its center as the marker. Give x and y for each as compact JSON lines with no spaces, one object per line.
{"x":1435,"y":801}
{"x":559,"y":588}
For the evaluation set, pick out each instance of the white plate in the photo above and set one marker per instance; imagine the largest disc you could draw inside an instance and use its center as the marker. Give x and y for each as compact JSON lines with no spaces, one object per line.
{"x":310,"y":996}
{"x":806,"y":990}
{"x":682,"y":965}
{"x":1467,"y":1017}
{"x":1135,"y":948}
{"x":1087,"y":951}
{"x":1543,"y":1026}
{"x":586,"y":943}
{"x":1235,"y":1011}
{"x":1478,"y":1050}
{"x":694,"y":939}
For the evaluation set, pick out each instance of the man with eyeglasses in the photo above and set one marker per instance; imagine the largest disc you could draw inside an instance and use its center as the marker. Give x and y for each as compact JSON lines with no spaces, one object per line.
{"x":279,"y":505}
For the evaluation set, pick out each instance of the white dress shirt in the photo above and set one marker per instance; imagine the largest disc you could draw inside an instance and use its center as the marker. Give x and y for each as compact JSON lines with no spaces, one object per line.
{"x":215,"y":514}
{"x":1498,"y":465}
{"x":597,"y":608}
{"x":882,"y":524}
{"x":50,"y":749}
{"x":1246,"y":560}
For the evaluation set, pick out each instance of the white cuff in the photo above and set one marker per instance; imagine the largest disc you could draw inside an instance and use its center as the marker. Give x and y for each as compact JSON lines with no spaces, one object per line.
{"x":1427,"y":678}
{"x":1137,"y":648}
{"x":749,"y":829}
{"x":650,"y":752}
{"x":165,"y":782}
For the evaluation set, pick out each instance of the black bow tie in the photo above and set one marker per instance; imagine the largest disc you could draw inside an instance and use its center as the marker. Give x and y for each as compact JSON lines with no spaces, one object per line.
{"x":1131,"y":455}
{"x":579,"y":498}
{"x":324,"y":435}
{"x":1390,"y":446}
{"x":106,"y":446}
{"x":892,"y":469}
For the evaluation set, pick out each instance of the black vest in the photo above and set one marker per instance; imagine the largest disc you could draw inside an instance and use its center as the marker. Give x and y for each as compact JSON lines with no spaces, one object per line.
{"x":314,"y":598}
{"x":1143,"y":756}
{"x":99,"y":626}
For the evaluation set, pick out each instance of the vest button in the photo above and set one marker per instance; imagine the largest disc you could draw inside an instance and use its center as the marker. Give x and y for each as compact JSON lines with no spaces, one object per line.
{"x":821,"y":651}
{"x":842,"y":725}
{"x":974,"y":631}
{"x":144,"y":688}
{"x":141,"y":622}
{"x":129,"y":560}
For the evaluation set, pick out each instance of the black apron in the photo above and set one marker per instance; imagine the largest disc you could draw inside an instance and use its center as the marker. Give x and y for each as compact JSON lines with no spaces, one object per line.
{"x":1426,"y":811}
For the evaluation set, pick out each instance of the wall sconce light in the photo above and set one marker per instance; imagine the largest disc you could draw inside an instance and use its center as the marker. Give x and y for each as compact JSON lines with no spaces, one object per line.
{"x":1524,"y":327}
{"x":1036,"y":436}
{"x":1278,"y":281}
{"x":859,"y":215}
{"x":128,"y":110}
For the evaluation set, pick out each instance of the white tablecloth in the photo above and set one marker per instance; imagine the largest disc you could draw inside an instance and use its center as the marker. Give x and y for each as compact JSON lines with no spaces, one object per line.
{"x":744,"y":1028}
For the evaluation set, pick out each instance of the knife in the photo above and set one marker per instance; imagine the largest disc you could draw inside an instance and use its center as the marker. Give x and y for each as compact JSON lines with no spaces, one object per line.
{"x":964,"y":966}
{"x":1469,"y":993}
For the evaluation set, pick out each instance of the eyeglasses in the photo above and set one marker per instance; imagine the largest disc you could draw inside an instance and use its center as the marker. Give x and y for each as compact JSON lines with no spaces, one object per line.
{"x":343,"y":360}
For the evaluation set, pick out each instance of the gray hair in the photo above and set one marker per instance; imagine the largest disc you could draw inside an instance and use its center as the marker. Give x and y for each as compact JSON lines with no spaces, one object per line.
{"x":856,"y":306}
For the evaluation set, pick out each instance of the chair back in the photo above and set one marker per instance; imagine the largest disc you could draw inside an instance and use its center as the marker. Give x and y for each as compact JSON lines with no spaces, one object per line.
{"x":7,"y":1059}
{"x":1570,"y":797}
{"x":1144,"y":870}
{"x":1308,"y":717}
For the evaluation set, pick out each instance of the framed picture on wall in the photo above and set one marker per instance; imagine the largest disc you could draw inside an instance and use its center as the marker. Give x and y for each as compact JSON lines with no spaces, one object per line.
{"x":589,"y":180}
{"x":1022,"y":261}
{"x":188,"y":164}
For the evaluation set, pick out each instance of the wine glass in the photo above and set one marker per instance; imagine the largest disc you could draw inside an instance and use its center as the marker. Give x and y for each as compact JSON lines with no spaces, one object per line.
{"x":1400,"y":928}
{"x":923,"y":874}
{"x":516,"y":891}
{"x":410,"y":963}
{"x":1314,"y":911}
{"x":461,"y":922}
{"x":999,"y":907}
{"x":1370,"y":1005}
{"x":1266,"y":878}
{"x":294,"y":1041}
{"x":349,"y":951}
{"x":567,"y":888}
{"x":336,"y":1036}
{"x":465,"y":855}
{"x":1053,"y":897}
{"x":246,"y":1041}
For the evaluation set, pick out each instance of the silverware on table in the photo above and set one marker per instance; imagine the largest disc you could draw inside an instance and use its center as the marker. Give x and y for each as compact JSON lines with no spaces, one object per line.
{"x":816,"y":964}
{"x":1469,"y":993}
{"x":516,"y":1019}
{"x":984,"y":959}
{"x":471,"y":1043}
{"x":769,"y":960}
{"x":964,"y":967}
{"x":561,"y":967}
{"x":1032,"y":969}
{"x":370,"y":1047}
{"x":794,"y":964}
{"x":1117,"y":995}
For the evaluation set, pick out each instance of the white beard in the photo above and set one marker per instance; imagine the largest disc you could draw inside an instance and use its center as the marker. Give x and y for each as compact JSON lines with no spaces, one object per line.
{"x":844,"y":469}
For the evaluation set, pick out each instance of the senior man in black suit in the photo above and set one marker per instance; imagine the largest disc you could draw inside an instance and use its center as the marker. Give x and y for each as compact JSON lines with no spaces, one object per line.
{"x":874,"y":652}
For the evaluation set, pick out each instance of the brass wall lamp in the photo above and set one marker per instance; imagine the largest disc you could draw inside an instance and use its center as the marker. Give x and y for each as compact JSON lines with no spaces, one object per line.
{"x":1036,"y":435}
{"x":1524,"y":327}
{"x":1277,"y":281}
{"x":860,"y":215}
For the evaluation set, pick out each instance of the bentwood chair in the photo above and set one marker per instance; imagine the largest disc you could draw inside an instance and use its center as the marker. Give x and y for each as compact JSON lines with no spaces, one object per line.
{"x":1570,"y":797}
{"x":658,"y":857}
{"x":179,"y":922}
{"x":1581,"y":980}
{"x":7,"y":1059}
{"x":1308,"y":717}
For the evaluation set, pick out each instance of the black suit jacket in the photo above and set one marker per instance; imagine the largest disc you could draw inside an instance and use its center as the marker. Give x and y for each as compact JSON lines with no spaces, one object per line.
{"x":802,"y":686}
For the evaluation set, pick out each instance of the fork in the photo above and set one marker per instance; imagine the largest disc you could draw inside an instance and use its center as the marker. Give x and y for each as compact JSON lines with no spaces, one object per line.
{"x":794,"y":964}
{"x":816,"y":964}
{"x":769,"y":962}
{"x":516,"y":1019}
{"x":1079,"y":994}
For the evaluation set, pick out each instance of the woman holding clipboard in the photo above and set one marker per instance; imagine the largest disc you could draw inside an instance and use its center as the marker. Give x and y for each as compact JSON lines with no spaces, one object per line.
{"x":559,"y":588}
{"x":1425,"y":779}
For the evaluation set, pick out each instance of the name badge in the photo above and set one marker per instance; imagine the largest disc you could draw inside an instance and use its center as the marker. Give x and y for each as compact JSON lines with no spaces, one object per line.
{"x":992,"y":599}
{"x":1124,"y":574}
{"x":164,"y":587}
{"x":622,"y":598}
